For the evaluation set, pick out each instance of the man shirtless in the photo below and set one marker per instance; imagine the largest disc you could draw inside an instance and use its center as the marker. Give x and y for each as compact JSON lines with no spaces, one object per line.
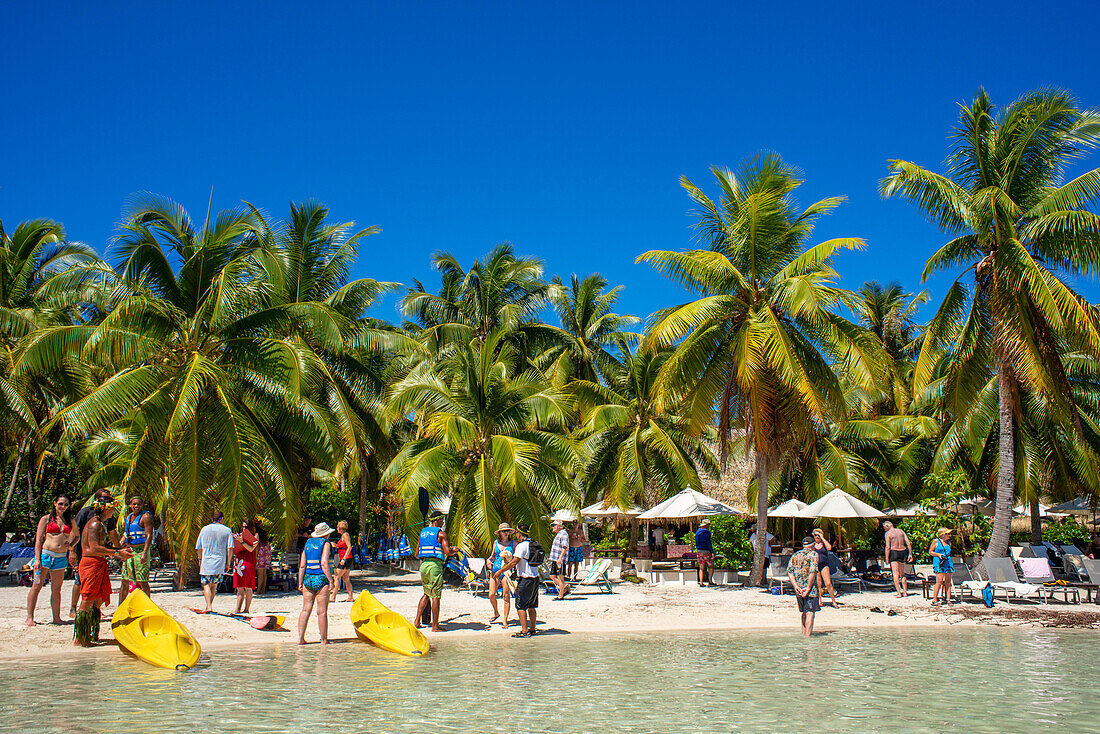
{"x":899,"y":551}
{"x":576,"y":549}
{"x":95,"y":579}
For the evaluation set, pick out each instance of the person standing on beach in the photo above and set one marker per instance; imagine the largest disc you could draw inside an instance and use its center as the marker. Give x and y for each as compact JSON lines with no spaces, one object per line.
{"x":263,"y":558}
{"x":527,"y":588}
{"x":53,"y":544}
{"x":213,"y":546}
{"x":95,"y":586}
{"x":802,"y":572}
{"x":899,"y":551}
{"x":138,"y":531}
{"x":576,"y":549}
{"x":503,"y":548}
{"x":83,"y":518}
{"x":432,"y":550}
{"x":343,"y":561}
{"x":767,"y":548}
{"x":942,"y":566}
{"x":315,"y":581}
{"x":244,"y":565}
{"x":559,"y":558}
{"x":704,"y":553}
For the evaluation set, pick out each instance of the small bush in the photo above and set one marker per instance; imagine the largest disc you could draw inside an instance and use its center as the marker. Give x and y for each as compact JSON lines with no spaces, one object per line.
{"x":731,"y":546}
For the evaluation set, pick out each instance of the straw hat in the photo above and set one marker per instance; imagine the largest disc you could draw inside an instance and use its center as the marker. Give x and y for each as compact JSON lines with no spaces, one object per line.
{"x":322,"y":530}
{"x":504,"y":526}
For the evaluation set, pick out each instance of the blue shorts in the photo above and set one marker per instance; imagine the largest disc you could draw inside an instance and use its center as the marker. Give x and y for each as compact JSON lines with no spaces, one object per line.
{"x":212,"y":579}
{"x":576,"y":554}
{"x":315,"y":581}
{"x":54,"y":562}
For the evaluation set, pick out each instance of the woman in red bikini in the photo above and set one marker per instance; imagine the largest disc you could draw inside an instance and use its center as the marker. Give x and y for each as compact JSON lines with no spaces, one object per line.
{"x":56,"y":535}
{"x":342,"y":572}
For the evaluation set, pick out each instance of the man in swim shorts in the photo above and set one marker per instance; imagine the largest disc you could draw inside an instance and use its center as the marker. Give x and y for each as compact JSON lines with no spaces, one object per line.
{"x":576,"y":549}
{"x":899,"y":551}
{"x":432,"y":550}
{"x":559,"y":558}
{"x":95,"y":579}
{"x":704,"y":553}
{"x":527,"y":589}
{"x":138,"y":531}
{"x":802,"y":572}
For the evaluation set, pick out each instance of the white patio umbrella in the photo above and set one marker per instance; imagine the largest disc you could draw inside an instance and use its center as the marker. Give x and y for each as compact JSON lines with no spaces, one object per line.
{"x":688,"y":505}
{"x":1026,"y":510}
{"x":1076,"y":506}
{"x":791,"y":508}
{"x":910,"y":510}
{"x":839,"y":504}
{"x":563,"y":515}
{"x":604,"y":512}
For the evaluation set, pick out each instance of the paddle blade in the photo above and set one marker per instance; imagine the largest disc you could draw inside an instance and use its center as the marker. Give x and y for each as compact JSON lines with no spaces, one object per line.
{"x":422,"y":500}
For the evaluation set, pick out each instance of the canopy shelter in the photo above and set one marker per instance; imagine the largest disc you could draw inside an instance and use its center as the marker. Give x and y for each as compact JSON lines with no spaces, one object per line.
{"x":1076,"y":506}
{"x":911,"y":510}
{"x":839,"y":504}
{"x":601,"y":511}
{"x":1026,"y":510}
{"x":688,"y":505}
{"x":791,"y":508}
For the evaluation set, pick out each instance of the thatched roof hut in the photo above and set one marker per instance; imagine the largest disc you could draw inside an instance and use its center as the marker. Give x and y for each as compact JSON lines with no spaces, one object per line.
{"x":731,"y":486}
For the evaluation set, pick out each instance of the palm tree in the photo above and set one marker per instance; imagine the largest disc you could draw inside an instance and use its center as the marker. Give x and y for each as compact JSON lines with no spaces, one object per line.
{"x":635,"y":450}
{"x":1017,"y":224}
{"x":888,"y":312}
{"x":751,"y":347}
{"x":214,"y":398}
{"x":502,"y":293}
{"x":589,"y":329}
{"x":486,"y":436}
{"x":33,"y":260}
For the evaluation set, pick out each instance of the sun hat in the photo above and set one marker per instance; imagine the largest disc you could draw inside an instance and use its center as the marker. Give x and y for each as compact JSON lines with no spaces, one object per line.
{"x":557,"y":522}
{"x":705,"y":522}
{"x":807,"y":540}
{"x":322,"y":530}
{"x":503,"y":526}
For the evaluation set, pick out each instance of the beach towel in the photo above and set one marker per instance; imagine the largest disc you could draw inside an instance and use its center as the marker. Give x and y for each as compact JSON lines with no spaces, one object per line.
{"x":95,"y":579}
{"x":1036,"y":568}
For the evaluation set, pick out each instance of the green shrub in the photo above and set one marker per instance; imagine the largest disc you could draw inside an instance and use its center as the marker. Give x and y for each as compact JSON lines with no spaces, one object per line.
{"x":731,"y":545}
{"x":1065,"y":531}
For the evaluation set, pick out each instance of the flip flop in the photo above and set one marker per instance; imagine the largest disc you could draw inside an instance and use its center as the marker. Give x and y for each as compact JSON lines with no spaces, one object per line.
{"x":876,"y":610}
{"x":521,"y":634}
{"x":494,"y":618}
{"x":892,"y":613}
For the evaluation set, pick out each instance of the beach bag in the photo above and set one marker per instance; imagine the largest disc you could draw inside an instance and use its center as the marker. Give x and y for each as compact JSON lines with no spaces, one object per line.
{"x":987,"y":595}
{"x":536,"y":556}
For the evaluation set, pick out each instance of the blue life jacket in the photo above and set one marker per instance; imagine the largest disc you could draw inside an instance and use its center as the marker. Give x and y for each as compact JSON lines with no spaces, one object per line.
{"x":429,"y":544}
{"x":135,"y":533}
{"x":313,"y":549}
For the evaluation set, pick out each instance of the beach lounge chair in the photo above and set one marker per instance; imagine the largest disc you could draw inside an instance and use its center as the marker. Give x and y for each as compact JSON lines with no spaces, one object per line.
{"x":1002,"y":574}
{"x":776,"y":572}
{"x":599,"y":576}
{"x":1018,"y":551}
{"x":1070,"y":550}
{"x":1038,"y":571}
{"x":479,"y":578}
{"x":20,"y":558}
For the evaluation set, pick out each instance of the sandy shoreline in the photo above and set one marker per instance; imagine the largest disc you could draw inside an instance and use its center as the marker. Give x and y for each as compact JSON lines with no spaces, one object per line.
{"x":632,"y":608}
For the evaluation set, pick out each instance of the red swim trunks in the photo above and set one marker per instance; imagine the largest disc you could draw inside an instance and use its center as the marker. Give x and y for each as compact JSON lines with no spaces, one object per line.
{"x":705,"y":559}
{"x":95,"y":579}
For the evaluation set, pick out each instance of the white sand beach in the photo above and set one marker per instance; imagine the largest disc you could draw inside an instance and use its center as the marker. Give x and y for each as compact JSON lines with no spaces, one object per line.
{"x":631,"y":608}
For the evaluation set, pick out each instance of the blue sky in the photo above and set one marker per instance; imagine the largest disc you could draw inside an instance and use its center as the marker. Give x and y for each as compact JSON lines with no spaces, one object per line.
{"x":560,"y":127}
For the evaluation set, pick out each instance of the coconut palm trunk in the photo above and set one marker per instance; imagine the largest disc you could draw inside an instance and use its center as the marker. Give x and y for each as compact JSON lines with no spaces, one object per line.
{"x":1036,"y":523}
{"x":757,"y":577}
{"x":364,"y":504}
{"x":1006,"y":472}
{"x":14,"y":477}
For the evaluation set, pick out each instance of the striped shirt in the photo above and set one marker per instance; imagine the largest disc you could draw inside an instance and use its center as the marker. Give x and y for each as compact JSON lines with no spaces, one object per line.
{"x":559,"y":551}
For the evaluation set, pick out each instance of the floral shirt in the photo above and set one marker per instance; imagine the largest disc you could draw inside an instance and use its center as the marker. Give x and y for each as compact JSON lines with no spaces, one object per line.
{"x":803,"y":566}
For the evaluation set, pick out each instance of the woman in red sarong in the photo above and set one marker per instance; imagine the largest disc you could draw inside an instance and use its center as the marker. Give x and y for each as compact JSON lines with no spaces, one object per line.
{"x":244,"y":565}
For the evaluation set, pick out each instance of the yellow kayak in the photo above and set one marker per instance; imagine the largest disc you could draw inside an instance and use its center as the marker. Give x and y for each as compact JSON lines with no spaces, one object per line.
{"x":151,"y":634}
{"x":375,"y":623}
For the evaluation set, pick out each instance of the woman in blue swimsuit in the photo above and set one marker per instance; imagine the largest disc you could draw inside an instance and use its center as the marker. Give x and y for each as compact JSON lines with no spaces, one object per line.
{"x":942,"y":565}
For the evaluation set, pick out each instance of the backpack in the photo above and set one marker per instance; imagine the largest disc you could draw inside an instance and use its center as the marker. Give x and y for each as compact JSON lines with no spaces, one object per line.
{"x":535,"y":554}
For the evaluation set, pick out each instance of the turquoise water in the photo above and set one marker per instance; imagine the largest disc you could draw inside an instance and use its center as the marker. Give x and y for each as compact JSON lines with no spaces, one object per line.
{"x":926,"y":680}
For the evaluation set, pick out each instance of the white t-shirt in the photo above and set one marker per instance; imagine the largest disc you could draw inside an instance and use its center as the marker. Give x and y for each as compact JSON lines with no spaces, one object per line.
{"x":214,"y":541}
{"x":767,"y":544}
{"x":524,"y":569}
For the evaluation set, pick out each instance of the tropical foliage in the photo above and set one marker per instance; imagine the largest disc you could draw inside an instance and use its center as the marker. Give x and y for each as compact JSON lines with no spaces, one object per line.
{"x":235,"y":361}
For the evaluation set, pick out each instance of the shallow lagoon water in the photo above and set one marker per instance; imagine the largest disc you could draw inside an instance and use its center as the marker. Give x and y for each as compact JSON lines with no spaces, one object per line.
{"x":908,"y":680}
